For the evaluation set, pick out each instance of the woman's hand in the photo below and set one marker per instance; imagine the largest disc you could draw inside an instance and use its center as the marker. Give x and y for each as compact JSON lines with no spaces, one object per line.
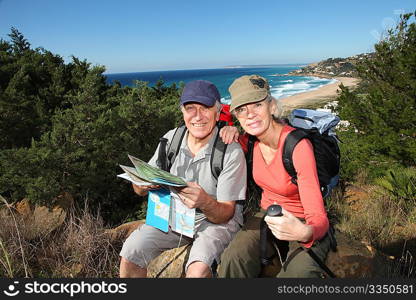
{"x":142,"y":190}
{"x":229,"y":134}
{"x":289,"y":228}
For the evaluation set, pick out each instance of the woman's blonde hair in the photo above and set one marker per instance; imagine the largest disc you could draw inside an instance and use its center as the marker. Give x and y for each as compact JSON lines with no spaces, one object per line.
{"x":278,"y":113}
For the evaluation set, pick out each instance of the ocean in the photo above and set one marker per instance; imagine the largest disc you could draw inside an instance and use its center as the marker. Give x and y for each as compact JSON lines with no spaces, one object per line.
{"x":280,"y":86}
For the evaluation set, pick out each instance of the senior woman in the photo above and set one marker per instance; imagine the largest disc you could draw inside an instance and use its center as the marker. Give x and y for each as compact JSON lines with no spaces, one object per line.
{"x":304,"y":223}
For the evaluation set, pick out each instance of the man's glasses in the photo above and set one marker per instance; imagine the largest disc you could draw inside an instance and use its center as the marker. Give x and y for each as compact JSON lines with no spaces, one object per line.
{"x":192,"y":109}
{"x":243,"y":111}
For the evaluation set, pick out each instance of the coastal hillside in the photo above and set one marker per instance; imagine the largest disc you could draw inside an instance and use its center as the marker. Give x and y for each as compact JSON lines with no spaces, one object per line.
{"x":331,"y":67}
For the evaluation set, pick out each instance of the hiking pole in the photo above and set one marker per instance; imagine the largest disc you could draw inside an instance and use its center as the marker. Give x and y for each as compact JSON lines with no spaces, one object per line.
{"x":281,"y":247}
{"x":276,"y":211}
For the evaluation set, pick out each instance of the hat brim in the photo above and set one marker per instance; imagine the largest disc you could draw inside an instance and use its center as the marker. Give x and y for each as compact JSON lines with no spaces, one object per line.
{"x":199,"y":99}
{"x":248,"y":98}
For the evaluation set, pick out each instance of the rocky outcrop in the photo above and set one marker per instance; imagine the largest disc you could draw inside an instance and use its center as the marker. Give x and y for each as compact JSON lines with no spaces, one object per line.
{"x":41,"y":220}
{"x":124,"y":230}
{"x":353,"y":259}
{"x":333,"y":67}
{"x":171,"y":264}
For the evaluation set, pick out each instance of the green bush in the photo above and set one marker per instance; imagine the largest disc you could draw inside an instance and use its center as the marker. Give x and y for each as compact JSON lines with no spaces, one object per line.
{"x":400,"y":183}
{"x":75,"y":129}
{"x":381,"y":112}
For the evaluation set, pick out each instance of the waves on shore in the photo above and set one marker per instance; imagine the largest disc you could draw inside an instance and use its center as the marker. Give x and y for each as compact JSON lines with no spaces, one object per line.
{"x":282,"y":87}
{"x":303,"y":84}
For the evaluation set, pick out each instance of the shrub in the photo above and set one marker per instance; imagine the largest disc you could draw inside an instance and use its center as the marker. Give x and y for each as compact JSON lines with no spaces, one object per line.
{"x":400,"y":184}
{"x":381,"y":111}
{"x":77,"y":129}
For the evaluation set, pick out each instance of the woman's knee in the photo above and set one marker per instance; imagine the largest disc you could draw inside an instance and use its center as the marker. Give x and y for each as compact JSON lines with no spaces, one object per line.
{"x":301,"y":266}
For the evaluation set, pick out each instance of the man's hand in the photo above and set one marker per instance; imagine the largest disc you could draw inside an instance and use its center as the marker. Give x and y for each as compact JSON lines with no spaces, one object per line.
{"x":289,"y":228}
{"x":229,"y":134}
{"x":142,"y":190}
{"x":194,"y":196}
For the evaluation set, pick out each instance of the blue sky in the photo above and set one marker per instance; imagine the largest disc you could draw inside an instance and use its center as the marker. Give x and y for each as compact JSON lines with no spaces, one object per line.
{"x":135,"y":35}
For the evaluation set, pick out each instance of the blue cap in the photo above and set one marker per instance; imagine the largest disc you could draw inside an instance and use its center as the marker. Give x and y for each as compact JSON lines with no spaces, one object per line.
{"x":200,"y":91}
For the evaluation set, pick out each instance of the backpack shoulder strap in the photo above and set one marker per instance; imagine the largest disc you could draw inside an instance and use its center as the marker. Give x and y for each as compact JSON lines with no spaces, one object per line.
{"x":217,"y":155}
{"x":174,"y":146}
{"x":162,"y":161}
{"x":292,"y":139}
{"x":249,"y":156}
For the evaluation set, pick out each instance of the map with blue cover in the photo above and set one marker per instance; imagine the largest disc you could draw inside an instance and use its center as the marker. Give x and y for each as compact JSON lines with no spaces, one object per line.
{"x":158,"y":207}
{"x":182,"y":218}
{"x":165,"y":208}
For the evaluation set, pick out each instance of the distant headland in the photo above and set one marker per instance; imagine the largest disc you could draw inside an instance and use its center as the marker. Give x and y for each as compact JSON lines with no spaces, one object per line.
{"x":332,"y":67}
{"x":265,"y":66}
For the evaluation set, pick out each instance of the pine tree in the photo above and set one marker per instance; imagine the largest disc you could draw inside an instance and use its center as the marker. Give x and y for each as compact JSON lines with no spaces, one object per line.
{"x":382,"y":111}
{"x":20,"y":44}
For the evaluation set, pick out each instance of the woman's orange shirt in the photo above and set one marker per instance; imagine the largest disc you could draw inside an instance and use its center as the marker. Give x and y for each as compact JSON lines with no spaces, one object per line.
{"x":303,"y":200}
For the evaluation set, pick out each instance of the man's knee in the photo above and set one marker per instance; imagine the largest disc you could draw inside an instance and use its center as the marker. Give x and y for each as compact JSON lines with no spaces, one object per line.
{"x":198,"y":269}
{"x":131,"y":270}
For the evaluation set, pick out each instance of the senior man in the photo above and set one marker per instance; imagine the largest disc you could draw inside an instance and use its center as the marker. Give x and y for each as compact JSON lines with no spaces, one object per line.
{"x":218,"y":216}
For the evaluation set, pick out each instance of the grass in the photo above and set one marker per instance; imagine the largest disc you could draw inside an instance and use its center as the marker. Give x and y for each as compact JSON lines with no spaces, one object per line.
{"x":6,"y":254}
{"x":374,"y":219}
{"x":5,"y":260}
{"x":371,"y":215}
{"x":80,"y":247}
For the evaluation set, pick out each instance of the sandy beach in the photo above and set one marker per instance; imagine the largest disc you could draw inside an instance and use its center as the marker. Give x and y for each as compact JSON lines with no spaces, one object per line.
{"x":321,"y":95}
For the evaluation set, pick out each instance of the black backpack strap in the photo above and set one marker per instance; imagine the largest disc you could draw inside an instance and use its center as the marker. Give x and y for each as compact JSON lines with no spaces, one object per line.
{"x":174,"y":146}
{"x":221,"y":123}
{"x":332,"y":239}
{"x":320,"y":262}
{"x":292,"y":139}
{"x":218,"y":154}
{"x":249,"y":157}
{"x":162,"y":161}
{"x":254,"y":192}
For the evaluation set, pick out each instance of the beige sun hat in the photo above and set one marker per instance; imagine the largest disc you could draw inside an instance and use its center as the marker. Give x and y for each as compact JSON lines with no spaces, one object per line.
{"x":248,"y":89}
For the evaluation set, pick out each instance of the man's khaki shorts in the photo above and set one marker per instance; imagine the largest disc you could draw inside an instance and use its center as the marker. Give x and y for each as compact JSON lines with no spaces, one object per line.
{"x":210,"y":240}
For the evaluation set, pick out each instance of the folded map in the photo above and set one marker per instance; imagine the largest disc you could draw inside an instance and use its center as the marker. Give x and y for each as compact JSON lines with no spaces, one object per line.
{"x":144,"y":174}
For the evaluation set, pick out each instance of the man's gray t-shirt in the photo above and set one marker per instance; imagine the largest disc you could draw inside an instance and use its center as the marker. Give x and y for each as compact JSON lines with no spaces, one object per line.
{"x":232,"y":182}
